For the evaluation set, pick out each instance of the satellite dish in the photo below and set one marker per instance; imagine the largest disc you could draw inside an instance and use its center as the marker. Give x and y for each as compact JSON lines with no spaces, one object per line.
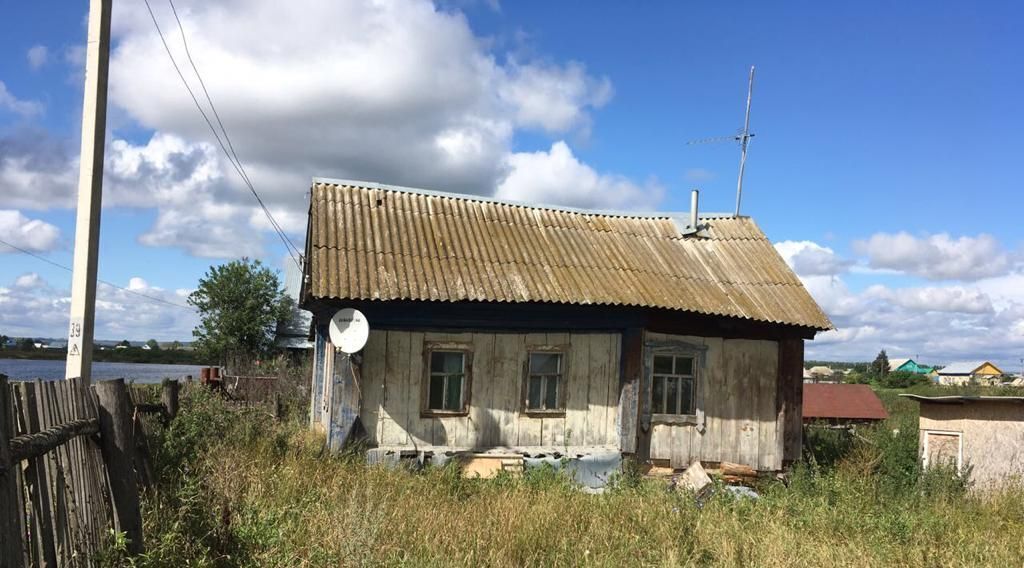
{"x":349,"y":330}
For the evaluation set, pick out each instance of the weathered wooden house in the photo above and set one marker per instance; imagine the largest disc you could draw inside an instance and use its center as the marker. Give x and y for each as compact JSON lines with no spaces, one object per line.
{"x":531,"y":330}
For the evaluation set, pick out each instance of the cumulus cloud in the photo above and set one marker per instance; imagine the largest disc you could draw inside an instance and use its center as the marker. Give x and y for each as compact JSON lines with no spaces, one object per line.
{"x":557,"y":177}
{"x":808,"y":258}
{"x":33,"y":307}
{"x":552,"y":97}
{"x":936,"y":257}
{"x":23,"y":108}
{"x":938,"y":323}
{"x":397,"y":92}
{"x":37,"y":171}
{"x":31,"y":234}
{"x":37,"y":56}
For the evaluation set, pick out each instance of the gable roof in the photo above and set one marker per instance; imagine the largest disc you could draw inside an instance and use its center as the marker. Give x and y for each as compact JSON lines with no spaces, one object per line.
{"x":965,"y":367}
{"x":897,"y":363}
{"x":376,"y":242}
{"x":842,"y":401}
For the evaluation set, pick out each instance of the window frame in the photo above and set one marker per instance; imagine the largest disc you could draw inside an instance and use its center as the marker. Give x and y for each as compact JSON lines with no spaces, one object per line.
{"x":563,"y":379}
{"x":467,"y":381}
{"x":676,"y":349}
{"x":926,"y":447}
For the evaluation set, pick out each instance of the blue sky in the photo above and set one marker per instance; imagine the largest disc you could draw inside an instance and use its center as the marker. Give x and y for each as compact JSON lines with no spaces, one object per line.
{"x":883,"y":165}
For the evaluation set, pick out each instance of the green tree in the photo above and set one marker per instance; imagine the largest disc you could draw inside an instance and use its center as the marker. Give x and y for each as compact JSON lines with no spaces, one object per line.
{"x":3,"y":341}
{"x":880,"y":366}
{"x":240,"y":305}
{"x":124,"y":343}
{"x":153,"y":345}
{"x":26,"y":344}
{"x":175,"y":345}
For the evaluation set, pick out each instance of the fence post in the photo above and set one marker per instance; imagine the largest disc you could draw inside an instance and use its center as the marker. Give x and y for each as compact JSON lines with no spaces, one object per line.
{"x":10,"y":517}
{"x":169,"y":398}
{"x":118,"y":443}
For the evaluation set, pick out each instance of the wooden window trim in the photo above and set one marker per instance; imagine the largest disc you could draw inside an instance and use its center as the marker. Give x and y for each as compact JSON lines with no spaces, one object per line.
{"x":563,"y":390}
{"x":467,"y":383}
{"x":677,"y":349}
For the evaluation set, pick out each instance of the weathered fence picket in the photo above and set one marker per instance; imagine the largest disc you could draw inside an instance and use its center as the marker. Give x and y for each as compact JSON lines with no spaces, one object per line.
{"x":70,"y":459}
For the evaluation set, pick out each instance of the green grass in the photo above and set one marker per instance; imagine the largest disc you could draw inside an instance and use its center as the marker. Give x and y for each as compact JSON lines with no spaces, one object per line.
{"x":240,"y":490}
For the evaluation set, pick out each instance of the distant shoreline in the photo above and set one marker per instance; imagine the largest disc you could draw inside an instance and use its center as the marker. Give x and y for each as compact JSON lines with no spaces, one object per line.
{"x":128,"y":355}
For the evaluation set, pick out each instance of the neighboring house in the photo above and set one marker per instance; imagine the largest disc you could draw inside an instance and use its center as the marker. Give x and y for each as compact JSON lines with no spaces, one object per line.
{"x":505,"y":329}
{"x":908,"y":366}
{"x":294,"y":333}
{"x":821,"y":373}
{"x":842,"y":405}
{"x":40,"y":344}
{"x":963,"y":372}
{"x":979,"y":433}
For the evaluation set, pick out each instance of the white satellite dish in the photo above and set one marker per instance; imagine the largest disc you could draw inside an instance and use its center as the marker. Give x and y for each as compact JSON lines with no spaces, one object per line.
{"x":349,"y":330}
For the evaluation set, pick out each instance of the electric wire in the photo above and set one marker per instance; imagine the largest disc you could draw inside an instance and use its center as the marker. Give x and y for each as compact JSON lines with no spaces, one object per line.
{"x":101,"y":281}
{"x":216,"y":115}
{"x":289,"y":246}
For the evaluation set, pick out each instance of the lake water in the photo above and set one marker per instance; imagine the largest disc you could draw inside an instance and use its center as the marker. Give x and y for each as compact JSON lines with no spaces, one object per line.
{"x":138,"y":372}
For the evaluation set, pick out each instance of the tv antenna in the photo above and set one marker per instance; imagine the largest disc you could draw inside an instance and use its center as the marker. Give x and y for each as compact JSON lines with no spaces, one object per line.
{"x":743,"y":137}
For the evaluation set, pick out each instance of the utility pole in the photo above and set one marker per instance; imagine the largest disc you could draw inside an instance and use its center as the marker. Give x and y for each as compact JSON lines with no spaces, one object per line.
{"x":744,"y":139}
{"x":90,"y":194}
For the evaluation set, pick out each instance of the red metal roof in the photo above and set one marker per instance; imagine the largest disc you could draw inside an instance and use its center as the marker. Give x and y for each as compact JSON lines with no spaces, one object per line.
{"x":850,"y":402}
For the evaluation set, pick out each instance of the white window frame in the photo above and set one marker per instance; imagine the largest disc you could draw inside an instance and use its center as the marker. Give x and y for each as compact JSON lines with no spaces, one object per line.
{"x":959,"y":450}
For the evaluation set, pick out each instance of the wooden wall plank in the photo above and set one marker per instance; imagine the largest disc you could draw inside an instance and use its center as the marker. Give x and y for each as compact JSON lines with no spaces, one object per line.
{"x":733,"y":387}
{"x":578,"y":390}
{"x":372,"y":413}
{"x":508,"y":390}
{"x":629,"y":404}
{"x":481,"y":427}
{"x":397,"y":393}
{"x":768,"y":447}
{"x":715,"y":400}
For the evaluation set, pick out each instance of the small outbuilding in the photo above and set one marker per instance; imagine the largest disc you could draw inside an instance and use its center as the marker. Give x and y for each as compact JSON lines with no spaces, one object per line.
{"x":517,"y":331}
{"x":980,"y":434}
{"x":842,"y":404}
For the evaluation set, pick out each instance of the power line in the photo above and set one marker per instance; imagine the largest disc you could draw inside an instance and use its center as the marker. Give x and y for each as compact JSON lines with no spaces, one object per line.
{"x":232,"y":157}
{"x":101,"y":281}
{"x":216,"y":115}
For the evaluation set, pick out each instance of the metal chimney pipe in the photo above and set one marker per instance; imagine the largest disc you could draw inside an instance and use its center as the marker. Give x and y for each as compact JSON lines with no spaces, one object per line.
{"x":694,"y":196}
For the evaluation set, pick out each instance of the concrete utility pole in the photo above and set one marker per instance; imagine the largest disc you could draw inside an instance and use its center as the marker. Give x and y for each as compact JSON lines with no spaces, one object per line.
{"x":90,"y":194}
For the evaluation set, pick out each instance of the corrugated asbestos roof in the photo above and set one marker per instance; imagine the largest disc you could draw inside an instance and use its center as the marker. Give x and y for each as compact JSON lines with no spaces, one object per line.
{"x":374,"y":242}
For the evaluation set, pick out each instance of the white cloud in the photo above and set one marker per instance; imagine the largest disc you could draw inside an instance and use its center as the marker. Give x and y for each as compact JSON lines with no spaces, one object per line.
{"x":955,"y":299}
{"x":25,"y":109}
{"x":28,"y":280}
{"x":808,"y":258}
{"x":31,"y":234}
{"x":557,"y":177}
{"x":937,"y":257}
{"x":34,"y":307}
{"x":552,"y":97}
{"x":37,"y":56}
{"x":396,"y":92}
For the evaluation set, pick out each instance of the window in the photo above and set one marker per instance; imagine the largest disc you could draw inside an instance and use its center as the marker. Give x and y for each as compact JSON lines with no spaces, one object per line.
{"x":544,"y":383}
{"x":446,"y":387}
{"x":673,"y":381}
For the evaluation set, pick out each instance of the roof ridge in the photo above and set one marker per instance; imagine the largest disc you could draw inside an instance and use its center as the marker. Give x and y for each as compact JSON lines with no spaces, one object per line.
{"x":516,"y":203}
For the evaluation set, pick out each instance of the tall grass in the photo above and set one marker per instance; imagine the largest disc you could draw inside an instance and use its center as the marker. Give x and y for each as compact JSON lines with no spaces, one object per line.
{"x":240,"y":490}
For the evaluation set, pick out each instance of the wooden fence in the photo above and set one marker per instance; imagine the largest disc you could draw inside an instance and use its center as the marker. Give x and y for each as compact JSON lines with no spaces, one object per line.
{"x":70,"y":459}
